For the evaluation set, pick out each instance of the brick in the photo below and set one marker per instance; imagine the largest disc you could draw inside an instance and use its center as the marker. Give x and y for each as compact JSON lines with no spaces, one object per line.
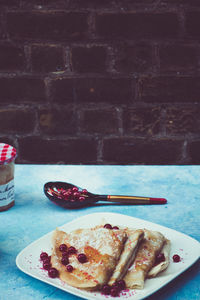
{"x":2,"y":35}
{"x":20,"y":90}
{"x":8,"y":140}
{"x":170,"y":89}
{"x":104,"y":90}
{"x":89,"y":59}
{"x":137,"y":25}
{"x":40,"y":150}
{"x":128,"y":5}
{"x":40,"y":4}
{"x":192,"y":24}
{"x":95,"y":90}
{"x":17,"y":121}
{"x":91,"y":4}
{"x":10,"y":3}
{"x":101,"y":121}
{"x":11,"y":58}
{"x":178,"y":57}
{"x":194,"y":152}
{"x":47,"y":25}
{"x":182,"y":120}
{"x":57,"y":121}
{"x":47,"y":58}
{"x":142,"y":120}
{"x":136,"y":58}
{"x":62,"y":90}
{"x":180,"y":2}
{"x":191,"y":2}
{"x":140,"y":2}
{"x":141,"y":151}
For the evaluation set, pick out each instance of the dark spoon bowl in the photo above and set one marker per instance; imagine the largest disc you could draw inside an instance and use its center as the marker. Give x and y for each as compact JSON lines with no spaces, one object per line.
{"x":89,"y":200}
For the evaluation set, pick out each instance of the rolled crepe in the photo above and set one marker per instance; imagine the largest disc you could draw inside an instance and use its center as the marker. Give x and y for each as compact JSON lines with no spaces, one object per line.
{"x":163,"y":264}
{"x":151,"y":245}
{"x":128,"y":254}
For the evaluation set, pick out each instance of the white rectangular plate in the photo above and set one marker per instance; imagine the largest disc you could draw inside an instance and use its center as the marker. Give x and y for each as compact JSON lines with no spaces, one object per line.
{"x":186,"y":247}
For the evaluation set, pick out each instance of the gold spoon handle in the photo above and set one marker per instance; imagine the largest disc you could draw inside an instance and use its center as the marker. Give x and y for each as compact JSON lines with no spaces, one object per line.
{"x":135,"y":199}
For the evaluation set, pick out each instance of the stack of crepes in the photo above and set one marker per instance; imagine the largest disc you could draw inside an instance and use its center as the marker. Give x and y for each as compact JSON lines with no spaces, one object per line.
{"x":112,"y":255}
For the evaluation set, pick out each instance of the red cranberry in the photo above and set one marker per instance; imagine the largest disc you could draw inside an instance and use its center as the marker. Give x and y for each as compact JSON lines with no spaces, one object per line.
{"x":46,"y":265}
{"x":53,"y":273}
{"x":115,"y":228}
{"x":76,"y":194}
{"x":108,"y":226}
{"x":47,"y":260}
{"x":69,"y":193}
{"x":176,"y":258}
{"x":63,"y":247}
{"x":44,"y":256}
{"x":159,"y":258}
{"x":82,"y":258}
{"x":81,"y":198}
{"x":65,"y":260}
{"x":72,"y":250}
{"x":114,"y":292}
{"x":65,"y":194}
{"x":65,"y":254}
{"x":74,"y":189}
{"x":116,"y":285}
{"x":70,"y":268}
{"x":84,"y":191}
{"x":121,"y":284}
{"x":106,"y":289}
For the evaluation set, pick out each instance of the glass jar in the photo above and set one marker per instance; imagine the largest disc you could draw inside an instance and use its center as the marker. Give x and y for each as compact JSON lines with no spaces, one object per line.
{"x":7,"y":166}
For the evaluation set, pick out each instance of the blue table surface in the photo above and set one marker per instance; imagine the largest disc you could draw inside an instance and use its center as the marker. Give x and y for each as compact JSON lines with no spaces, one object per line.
{"x":34,"y":215}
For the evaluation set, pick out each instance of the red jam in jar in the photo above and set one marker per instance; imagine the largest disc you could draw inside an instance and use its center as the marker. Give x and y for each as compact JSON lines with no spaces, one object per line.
{"x":7,"y":166}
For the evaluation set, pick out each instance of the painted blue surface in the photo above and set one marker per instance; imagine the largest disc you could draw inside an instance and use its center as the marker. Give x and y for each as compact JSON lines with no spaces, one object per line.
{"x":33,"y":216}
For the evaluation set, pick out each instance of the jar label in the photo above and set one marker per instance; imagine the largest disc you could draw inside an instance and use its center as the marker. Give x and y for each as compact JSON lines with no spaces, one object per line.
{"x":7,"y":193}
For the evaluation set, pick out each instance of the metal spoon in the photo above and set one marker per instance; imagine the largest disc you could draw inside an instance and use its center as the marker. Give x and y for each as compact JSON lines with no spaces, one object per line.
{"x":53,"y":191}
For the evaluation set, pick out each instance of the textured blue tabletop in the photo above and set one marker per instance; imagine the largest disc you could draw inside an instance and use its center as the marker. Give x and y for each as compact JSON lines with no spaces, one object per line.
{"x":33,"y":216}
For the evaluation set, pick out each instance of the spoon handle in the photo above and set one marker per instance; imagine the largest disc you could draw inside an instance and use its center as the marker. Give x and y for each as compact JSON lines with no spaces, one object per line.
{"x":133,"y":199}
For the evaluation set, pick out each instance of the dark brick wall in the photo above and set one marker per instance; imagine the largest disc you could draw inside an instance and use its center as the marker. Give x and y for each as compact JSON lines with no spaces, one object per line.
{"x":101,"y":82}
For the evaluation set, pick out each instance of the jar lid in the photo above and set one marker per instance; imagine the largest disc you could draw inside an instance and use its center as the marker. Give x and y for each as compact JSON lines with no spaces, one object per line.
{"x":7,"y":153}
